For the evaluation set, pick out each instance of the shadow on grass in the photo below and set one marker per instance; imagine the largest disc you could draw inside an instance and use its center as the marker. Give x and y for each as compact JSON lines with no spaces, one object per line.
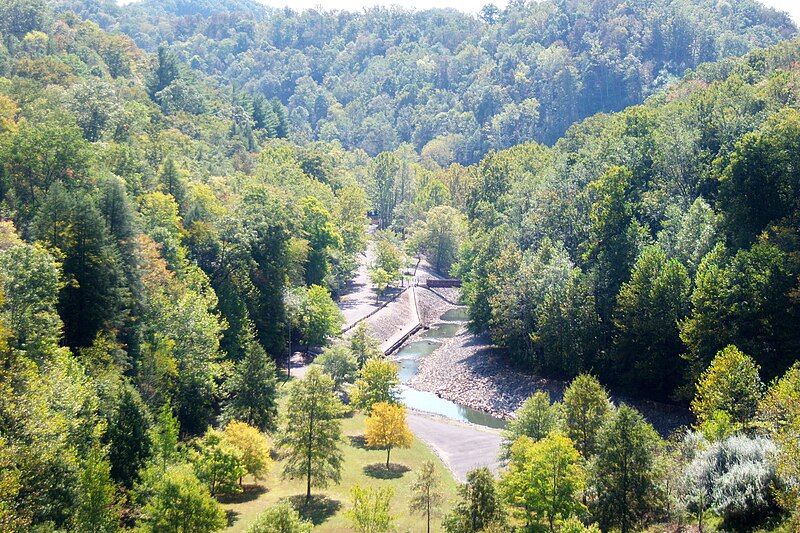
{"x":319,"y":509}
{"x":379,"y":470}
{"x":250,"y":493}
{"x":232,"y":516}
{"x":358,"y":441}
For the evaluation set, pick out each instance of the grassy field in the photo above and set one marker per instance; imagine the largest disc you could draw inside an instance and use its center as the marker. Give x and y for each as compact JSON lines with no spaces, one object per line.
{"x":361,"y":466}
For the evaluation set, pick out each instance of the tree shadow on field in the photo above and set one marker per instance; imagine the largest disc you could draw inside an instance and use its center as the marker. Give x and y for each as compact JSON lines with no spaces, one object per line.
{"x":232,"y":516}
{"x":358,"y":441}
{"x":250,"y":493}
{"x":379,"y":470}
{"x":317,"y":510}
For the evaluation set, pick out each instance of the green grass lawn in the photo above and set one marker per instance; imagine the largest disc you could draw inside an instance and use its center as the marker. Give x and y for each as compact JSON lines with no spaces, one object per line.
{"x":361,"y":466}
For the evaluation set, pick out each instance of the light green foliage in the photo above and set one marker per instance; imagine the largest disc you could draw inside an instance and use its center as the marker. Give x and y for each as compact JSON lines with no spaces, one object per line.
{"x":351,"y":217}
{"x":164,"y":438}
{"x":781,"y":403}
{"x":323,"y":237}
{"x":427,"y":496}
{"x":319,"y":317}
{"x":377,"y":381}
{"x":586,"y":409}
{"x":39,"y":155}
{"x":363,"y":345}
{"x":384,"y":174}
{"x":731,"y":385}
{"x":779,"y":413}
{"x":544,"y":480}
{"x":217,"y":463}
{"x":280,"y":518}
{"x":11,"y":518}
{"x":689,"y":235}
{"x":253,"y":448}
{"x":389,"y":256}
{"x":381,"y":279}
{"x":97,"y":509}
{"x":536,"y":418}
{"x":624,"y":473}
{"x":339,"y":363}
{"x":370,"y":511}
{"x":311,"y":431}
{"x":574,"y":525}
{"x":30,"y":279}
{"x":479,"y":507}
{"x":180,"y":502}
{"x":438,"y":237}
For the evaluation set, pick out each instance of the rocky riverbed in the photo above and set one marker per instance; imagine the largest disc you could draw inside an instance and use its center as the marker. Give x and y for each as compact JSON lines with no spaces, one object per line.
{"x":469,"y":370}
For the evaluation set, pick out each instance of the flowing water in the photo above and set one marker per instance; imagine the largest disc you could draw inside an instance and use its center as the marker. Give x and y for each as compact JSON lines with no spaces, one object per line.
{"x":409,"y":358}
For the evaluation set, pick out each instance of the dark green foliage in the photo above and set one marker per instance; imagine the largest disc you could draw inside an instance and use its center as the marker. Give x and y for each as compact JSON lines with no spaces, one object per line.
{"x":165,"y":73}
{"x":128,"y":435}
{"x":252,"y":388}
{"x":625,"y":472}
{"x":526,"y":72}
{"x":637,"y":247}
{"x":479,"y":506}
{"x":649,"y":307}
{"x":94,"y":296}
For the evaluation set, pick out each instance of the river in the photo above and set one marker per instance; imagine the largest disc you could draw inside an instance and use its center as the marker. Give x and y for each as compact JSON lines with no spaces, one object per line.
{"x":408,"y":357}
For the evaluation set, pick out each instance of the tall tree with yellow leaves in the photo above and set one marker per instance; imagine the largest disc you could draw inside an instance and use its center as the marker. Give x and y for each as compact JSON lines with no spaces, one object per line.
{"x":387,"y":429}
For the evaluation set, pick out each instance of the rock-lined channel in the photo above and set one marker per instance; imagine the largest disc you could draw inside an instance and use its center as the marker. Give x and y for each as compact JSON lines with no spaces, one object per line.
{"x":409,"y":356}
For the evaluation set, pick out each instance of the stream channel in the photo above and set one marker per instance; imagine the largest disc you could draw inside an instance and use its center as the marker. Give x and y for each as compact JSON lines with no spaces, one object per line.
{"x":409,"y":356}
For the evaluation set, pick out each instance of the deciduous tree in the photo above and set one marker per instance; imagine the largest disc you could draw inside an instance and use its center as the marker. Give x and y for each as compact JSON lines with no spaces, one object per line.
{"x":426,"y":494}
{"x":535,"y":418}
{"x":624,"y":472}
{"x":586,"y":409}
{"x":544,"y":480}
{"x":311,"y":431}
{"x":370,"y":511}
{"x":280,"y":518}
{"x":378,"y":381}
{"x":387,"y":429}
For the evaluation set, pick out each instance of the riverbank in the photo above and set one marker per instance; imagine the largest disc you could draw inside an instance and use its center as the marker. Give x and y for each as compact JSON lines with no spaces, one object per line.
{"x":469,"y":370}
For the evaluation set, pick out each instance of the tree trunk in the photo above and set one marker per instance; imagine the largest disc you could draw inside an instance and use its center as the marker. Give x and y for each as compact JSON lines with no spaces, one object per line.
{"x":428,"y":512}
{"x":388,"y":451}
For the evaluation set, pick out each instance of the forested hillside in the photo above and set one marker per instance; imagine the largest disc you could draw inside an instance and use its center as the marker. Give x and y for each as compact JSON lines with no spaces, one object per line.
{"x":184,"y":191}
{"x":154,"y":239}
{"x":646,"y":241}
{"x":452,"y":84}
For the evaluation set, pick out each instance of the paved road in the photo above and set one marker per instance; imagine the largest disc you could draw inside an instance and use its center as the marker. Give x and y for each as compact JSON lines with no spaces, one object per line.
{"x":359,"y":299}
{"x":462,"y":447}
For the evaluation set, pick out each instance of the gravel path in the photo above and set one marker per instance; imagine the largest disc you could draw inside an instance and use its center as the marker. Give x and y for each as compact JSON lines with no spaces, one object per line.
{"x":359,"y":299}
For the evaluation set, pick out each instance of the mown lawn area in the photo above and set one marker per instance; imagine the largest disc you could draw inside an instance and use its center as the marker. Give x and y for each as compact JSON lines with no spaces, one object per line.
{"x":361,"y":466}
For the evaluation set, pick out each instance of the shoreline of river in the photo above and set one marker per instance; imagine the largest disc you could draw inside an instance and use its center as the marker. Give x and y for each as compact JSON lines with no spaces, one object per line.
{"x":468,"y":370}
